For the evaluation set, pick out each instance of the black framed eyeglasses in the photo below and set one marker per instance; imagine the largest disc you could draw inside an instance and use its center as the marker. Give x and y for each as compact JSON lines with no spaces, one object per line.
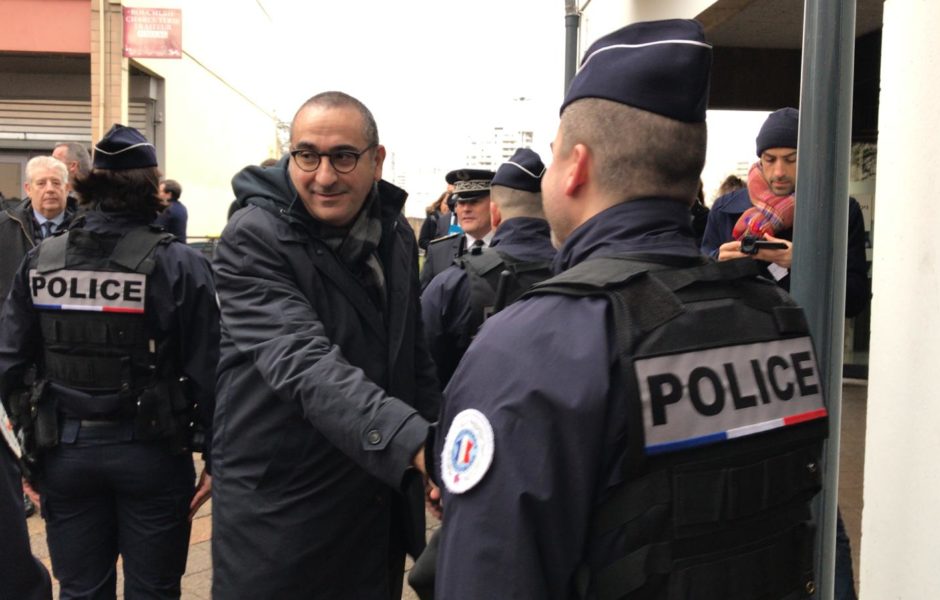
{"x":343,"y":161}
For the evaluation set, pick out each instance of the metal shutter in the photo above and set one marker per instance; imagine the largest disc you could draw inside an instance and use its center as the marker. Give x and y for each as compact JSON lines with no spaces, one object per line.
{"x":41,"y":123}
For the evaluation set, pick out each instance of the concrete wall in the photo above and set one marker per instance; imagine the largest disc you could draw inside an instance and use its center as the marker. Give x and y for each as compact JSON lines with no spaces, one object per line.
{"x":218,"y":108}
{"x":900,"y":528}
{"x":44,"y":26}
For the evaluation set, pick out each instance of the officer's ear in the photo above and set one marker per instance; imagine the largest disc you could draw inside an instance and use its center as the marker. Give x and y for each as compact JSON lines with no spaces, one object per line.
{"x":578,"y":169}
{"x":495,"y":216}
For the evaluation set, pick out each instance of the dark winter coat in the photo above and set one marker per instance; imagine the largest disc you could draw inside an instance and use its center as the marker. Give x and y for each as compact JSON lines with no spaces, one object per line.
{"x":323,"y":402}
{"x":17,"y":237}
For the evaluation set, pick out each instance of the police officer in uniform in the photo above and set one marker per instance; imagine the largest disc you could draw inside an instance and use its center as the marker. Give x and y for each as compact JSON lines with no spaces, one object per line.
{"x":654,"y":427}
{"x":471,"y":200}
{"x":457,"y":302}
{"x":108,"y":351}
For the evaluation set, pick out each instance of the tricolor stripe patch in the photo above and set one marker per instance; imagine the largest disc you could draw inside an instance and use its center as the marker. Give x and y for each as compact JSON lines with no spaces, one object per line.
{"x":107,"y":309}
{"x":738,"y":432}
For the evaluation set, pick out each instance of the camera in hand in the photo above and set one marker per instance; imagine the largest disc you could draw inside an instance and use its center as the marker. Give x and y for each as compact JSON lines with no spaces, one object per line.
{"x":751,"y":245}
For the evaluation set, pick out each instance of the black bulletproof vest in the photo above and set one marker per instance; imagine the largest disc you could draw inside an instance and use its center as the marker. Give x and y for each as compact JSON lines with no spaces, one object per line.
{"x":497,"y":280}
{"x":89,"y":289}
{"x":704,"y":511}
{"x":441,"y":254}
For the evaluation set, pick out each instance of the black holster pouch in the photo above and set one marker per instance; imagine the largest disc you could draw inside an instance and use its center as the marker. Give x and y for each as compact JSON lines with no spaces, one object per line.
{"x":45,"y":409}
{"x":164,"y":413}
{"x":34,"y":414}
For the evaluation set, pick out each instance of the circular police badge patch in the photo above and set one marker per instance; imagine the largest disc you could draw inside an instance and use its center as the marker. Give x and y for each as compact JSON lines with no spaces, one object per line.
{"x":468,"y":451}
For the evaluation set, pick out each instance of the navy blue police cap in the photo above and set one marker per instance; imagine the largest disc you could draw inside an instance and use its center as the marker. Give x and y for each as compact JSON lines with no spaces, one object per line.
{"x":124,"y":148}
{"x":779,"y":130}
{"x":470,"y":184}
{"x":523,"y":171}
{"x":661,"y":67}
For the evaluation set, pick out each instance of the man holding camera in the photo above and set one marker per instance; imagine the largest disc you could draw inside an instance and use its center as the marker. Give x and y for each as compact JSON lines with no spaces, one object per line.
{"x":757,"y":220}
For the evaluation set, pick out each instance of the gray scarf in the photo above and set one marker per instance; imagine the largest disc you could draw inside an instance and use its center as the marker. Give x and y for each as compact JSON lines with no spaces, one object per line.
{"x":356,"y":245}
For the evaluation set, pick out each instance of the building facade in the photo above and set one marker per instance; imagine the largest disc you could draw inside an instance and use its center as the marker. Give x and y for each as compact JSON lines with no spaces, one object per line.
{"x":207,"y":110}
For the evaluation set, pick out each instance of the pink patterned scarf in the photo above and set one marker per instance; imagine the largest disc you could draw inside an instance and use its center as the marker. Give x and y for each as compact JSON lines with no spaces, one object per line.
{"x":770,"y":214}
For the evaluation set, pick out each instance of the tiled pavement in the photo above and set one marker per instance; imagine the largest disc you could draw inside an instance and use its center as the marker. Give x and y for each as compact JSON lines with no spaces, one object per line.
{"x":197,"y":582}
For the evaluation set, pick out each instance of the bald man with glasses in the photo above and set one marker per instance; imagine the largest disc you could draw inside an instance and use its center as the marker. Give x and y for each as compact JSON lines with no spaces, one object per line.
{"x":326,"y":388}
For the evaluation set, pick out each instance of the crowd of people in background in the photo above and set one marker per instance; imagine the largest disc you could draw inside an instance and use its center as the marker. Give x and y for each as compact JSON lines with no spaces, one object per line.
{"x":537,"y":382}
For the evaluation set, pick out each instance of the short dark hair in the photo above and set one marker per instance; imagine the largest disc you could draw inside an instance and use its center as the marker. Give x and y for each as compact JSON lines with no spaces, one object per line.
{"x":173,"y":188}
{"x":637,"y":153}
{"x":517,"y":203}
{"x":338,"y":100}
{"x":127,"y":190}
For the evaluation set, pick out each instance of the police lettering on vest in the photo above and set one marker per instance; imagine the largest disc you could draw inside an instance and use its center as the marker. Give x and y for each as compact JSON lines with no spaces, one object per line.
{"x":707,"y":396}
{"x":102,"y":291}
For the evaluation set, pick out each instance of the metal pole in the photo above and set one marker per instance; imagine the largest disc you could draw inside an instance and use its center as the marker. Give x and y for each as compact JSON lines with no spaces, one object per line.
{"x":572,"y":24}
{"x":821,"y":227}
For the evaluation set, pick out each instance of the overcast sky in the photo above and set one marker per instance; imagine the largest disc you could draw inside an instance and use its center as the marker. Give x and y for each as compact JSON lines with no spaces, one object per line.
{"x":434,"y":72}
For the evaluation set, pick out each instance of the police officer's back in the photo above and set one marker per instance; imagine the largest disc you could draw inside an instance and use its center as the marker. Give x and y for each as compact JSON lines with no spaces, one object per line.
{"x":484,"y":280}
{"x":108,"y":350}
{"x":646,"y":424}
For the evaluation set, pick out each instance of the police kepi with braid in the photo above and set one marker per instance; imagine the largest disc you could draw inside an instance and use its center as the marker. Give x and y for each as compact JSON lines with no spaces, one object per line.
{"x":647,"y":423}
{"x":108,"y":352}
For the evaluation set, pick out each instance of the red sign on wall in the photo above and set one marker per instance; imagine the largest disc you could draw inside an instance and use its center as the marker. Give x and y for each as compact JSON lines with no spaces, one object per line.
{"x":153,"y":32}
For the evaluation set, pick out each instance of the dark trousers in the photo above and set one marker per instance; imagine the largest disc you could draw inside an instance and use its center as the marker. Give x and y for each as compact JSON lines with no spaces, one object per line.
{"x":102,"y":497}
{"x":21,"y":575}
{"x":844,"y":577}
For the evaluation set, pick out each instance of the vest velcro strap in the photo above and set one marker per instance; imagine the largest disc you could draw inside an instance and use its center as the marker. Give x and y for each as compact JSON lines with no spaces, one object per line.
{"x":82,"y":405}
{"x":101,"y":373}
{"x":52,"y":254}
{"x":526,"y":266}
{"x":736,"y":493}
{"x":728,"y":270}
{"x":775,"y":567}
{"x":133,"y":249}
{"x":95,"y":328}
{"x":641,"y":307}
{"x":790,"y":320}
{"x":629,"y":502}
{"x":631,"y":572}
{"x":593,"y":276}
{"x":482,"y":263}
{"x":771,"y":568}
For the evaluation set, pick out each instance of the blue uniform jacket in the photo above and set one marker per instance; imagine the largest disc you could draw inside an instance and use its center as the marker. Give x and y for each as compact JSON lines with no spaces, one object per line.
{"x":445,"y":303}
{"x":180,"y":305}
{"x":728,"y":209}
{"x":542,"y":373}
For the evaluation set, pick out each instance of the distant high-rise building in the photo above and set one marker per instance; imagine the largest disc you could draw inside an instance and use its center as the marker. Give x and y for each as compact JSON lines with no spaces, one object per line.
{"x":495,"y":146}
